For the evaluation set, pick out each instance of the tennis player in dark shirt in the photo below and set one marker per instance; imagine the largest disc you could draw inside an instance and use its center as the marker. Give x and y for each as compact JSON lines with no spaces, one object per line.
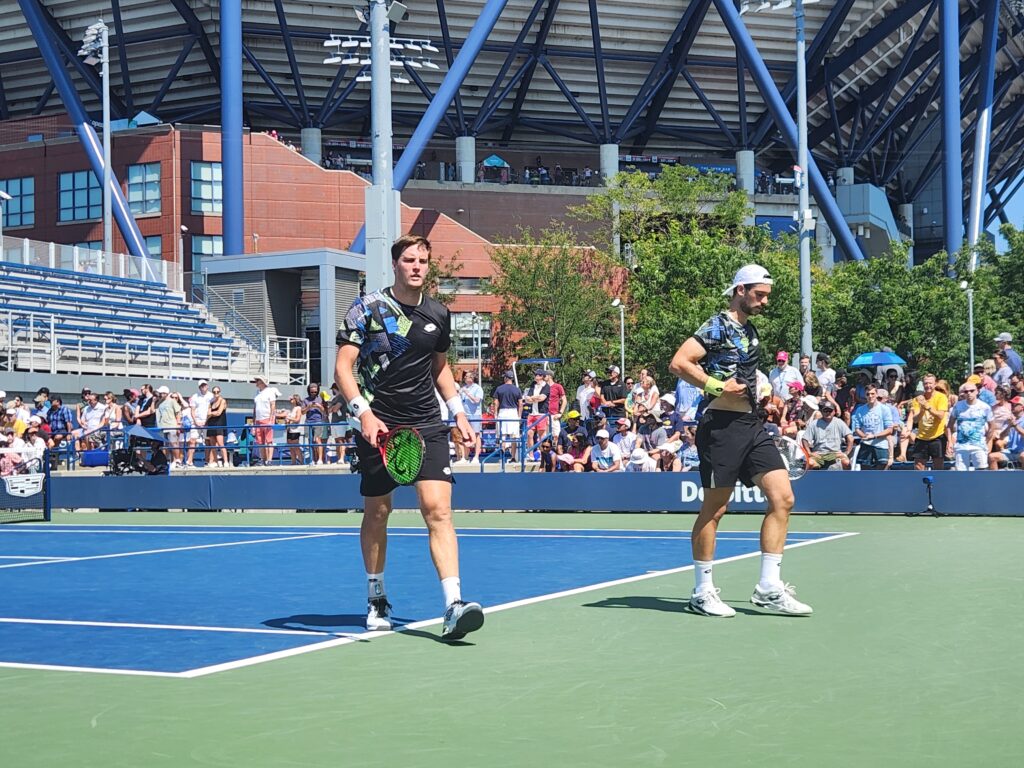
{"x":399,"y":338}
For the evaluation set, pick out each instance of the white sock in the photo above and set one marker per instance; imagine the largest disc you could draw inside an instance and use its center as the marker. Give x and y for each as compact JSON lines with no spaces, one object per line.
{"x":374,"y":585}
{"x":702,"y":570}
{"x":771,"y":571}
{"x":452,"y":587}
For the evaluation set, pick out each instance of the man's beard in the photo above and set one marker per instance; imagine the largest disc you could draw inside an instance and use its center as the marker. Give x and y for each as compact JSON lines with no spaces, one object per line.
{"x":749,"y":309}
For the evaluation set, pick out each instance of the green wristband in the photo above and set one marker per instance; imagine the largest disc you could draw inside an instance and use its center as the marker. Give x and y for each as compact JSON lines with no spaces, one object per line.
{"x":714,"y":387}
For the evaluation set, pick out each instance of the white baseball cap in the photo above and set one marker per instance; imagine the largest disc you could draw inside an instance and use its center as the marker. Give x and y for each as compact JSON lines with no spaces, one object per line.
{"x":749,"y":274}
{"x":810,"y":401}
{"x":1004,"y":337}
{"x":163,"y":391}
{"x":201,"y":382}
{"x":601,"y":433}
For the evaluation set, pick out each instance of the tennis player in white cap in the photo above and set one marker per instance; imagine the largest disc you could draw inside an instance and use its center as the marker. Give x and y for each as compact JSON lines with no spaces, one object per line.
{"x":722,"y":359}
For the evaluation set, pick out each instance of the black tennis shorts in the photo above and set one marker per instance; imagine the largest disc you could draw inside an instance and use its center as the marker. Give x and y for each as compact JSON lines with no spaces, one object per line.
{"x":734,"y":446}
{"x":375,"y":479}
{"x":928,"y":450}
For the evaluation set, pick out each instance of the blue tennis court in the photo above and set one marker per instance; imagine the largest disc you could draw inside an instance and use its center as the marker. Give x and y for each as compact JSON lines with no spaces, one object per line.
{"x":186,"y":601}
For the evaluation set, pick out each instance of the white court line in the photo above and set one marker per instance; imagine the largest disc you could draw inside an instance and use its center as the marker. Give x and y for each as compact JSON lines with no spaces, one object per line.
{"x":169,"y":549}
{"x":28,"y":557}
{"x":365,"y":636}
{"x":202,"y":671}
{"x":177,"y":627}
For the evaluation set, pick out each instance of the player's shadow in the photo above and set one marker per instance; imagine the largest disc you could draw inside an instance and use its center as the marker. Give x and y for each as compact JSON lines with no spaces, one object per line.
{"x":645,"y":602}
{"x":431,"y":636}
{"x":320,"y":623}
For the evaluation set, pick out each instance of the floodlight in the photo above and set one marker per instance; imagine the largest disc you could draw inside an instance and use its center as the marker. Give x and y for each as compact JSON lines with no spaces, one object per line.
{"x":5,"y":196}
{"x":332,"y":43}
{"x":366,"y":62}
{"x":335,"y":59}
{"x":360,"y":15}
{"x":414,"y":63}
{"x":396,"y":62}
{"x":350,"y":60}
{"x":349,"y":43}
{"x":401,"y":80}
{"x":429,"y":64}
{"x":397,"y":12}
{"x":744,"y":7}
{"x":364,"y":78}
{"x":782,"y":5}
{"x":364,"y":43}
{"x":427,"y":46}
{"x":90,"y":59}
{"x":412,"y":46}
{"x":395,"y":46}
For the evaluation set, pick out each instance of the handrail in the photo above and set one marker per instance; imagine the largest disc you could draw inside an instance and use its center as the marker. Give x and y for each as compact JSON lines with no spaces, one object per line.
{"x":235,"y":321}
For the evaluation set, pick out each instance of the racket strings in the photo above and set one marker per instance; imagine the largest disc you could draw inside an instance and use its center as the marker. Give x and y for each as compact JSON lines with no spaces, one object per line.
{"x":403,"y":456}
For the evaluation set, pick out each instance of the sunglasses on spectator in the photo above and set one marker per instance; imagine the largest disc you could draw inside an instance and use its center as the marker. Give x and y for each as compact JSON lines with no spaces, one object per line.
{"x":967,"y":391}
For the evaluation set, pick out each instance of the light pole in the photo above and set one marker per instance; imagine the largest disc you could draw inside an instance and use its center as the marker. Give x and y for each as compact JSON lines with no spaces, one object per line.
{"x":4,"y":197}
{"x":477,"y":343}
{"x":622,"y":336}
{"x":805,"y":223}
{"x":96,"y":50}
{"x":964,"y":286}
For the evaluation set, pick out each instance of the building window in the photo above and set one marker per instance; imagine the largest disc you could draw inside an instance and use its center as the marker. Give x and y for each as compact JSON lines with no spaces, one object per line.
{"x":467,"y":332}
{"x":207,"y":188}
{"x":463,"y":284}
{"x":154,"y":246}
{"x":92,"y":245}
{"x":81,"y":197}
{"x":144,"y":188}
{"x":203,"y":246}
{"x":20,"y":210}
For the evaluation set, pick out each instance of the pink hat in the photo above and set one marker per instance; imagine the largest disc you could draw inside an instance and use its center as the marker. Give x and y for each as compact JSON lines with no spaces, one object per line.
{"x":783,"y":355}
{"x":797,"y":385}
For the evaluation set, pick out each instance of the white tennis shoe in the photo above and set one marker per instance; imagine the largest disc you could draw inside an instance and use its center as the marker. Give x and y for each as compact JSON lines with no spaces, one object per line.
{"x":781,"y":599}
{"x":708,"y":603}
{"x":378,"y":614}
{"x":460,"y":619}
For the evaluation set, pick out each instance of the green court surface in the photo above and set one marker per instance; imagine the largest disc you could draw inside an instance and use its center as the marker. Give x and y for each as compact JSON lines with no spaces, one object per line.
{"x":912,"y":658}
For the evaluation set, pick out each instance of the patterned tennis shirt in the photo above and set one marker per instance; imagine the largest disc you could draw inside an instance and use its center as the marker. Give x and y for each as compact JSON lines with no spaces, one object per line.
{"x":733,"y":351}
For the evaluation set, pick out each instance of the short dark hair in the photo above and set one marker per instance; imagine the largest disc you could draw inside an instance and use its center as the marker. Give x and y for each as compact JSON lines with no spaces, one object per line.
{"x":408,"y":241}
{"x":870,"y":388}
{"x":822,"y":357}
{"x":56,"y":400}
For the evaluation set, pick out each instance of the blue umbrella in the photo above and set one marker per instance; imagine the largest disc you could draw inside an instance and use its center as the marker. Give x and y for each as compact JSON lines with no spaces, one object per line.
{"x":868,"y":359}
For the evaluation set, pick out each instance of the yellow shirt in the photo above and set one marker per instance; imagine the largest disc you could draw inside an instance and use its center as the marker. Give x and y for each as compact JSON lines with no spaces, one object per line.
{"x":930,"y":427}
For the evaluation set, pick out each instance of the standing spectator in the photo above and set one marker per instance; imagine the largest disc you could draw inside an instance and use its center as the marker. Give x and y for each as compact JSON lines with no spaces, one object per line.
{"x":1017,"y":384}
{"x":264,"y":411}
{"x":826,"y":375}
{"x":168,"y":420}
{"x":91,"y":422}
{"x":872,"y":423}
{"x":969,"y":429}
{"x":112,"y":411}
{"x":318,"y":429}
{"x":1003,"y":370}
{"x":556,"y":401}
{"x":216,"y":426}
{"x":293,"y":431}
{"x":646,"y":393}
{"x":894,"y":386}
{"x":1004,"y":342}
{"x":537,"y":398}
{"x":584,"y":393}
{"x":984,"y":393}
{"x":928,"y":413}
{"x":828,"y":440}
{"x":897,"y":423}
{"x":605,"y":455}
{"x":640,"y":461}
{"x":341,"y":431}
{"x":985,"y":369}
{"x":472,"y":399}
{"x":805,"y":365}
{"x":1012,"y":452}
{"x":843,"y":396}
{"x":199,"y":407}
{"x":1002,"y":413}
{"x":82,"y":405}
{"x":782,"y":374}
{"x":588,"y":175}
{"x":130,"y":409}
{"x":146,"y":415}
{"x":508,"y":404}
{"x":613,"y":395}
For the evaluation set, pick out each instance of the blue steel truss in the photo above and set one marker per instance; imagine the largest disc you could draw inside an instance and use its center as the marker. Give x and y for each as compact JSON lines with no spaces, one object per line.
{"x":874,"y":132}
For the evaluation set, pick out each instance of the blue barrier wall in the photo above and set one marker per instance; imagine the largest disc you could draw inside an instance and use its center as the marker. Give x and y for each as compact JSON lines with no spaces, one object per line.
{"x":955,"y":493}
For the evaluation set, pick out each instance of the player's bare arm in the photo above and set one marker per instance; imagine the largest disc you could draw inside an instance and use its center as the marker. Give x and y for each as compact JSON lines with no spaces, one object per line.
{"x":344,"y":363}
{"x":686,"y":365}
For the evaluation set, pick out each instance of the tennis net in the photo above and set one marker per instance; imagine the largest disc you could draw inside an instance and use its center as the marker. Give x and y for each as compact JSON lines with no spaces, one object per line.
{"x":24,"y":496}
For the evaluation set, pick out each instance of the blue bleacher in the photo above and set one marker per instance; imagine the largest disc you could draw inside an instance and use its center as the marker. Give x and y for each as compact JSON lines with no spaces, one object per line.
{"x":96,"y":315}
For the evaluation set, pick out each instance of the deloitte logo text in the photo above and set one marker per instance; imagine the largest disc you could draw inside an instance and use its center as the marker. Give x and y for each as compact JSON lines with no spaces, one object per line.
{"x":691,"y":491}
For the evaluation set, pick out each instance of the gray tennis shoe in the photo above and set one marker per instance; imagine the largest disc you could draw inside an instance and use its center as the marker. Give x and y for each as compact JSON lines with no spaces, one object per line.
{"x":780,"y":600}
{"x":460,"y":619}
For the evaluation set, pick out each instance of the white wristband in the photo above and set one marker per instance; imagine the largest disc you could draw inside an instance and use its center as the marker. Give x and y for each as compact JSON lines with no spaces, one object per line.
{"x":357,"y":406}
{"x":454,"y":406}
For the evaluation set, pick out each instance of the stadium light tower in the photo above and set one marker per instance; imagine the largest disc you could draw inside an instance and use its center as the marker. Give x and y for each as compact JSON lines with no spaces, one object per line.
{"x":805,"y":223}
{"x":96,"y":50}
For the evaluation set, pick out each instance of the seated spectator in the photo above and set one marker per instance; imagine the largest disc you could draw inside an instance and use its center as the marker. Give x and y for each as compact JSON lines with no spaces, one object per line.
{"x":640,"y":461}
{"x":969,"y":429}
{"x":625,"y":438}
{"x":651,"y":433}
{"x":59,"y":419}
{"x":9,"y":459}
{"x":548,"y":459}
{"x":985,"y":395}
{"x":31,"y":447}
{"x":666,"y":456}
{"x":580,"y":454}
{"x":828,"y":440}
{"x":1012,"y":440}
{"x":605,"y":456}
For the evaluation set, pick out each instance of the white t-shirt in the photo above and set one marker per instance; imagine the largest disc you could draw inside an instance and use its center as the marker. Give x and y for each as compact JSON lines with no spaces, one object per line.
{"x":626,"y":442}
{"x":827,"y":379}
{"x":92,"y":416}
{"x":472,"y":409}
{"x":583,"y":394}
{"x":264,"y":403}
{"x":29,"y":449}
{"x":200,"y":405}
{"x":607,"y":457}
{"x":780,"y":379}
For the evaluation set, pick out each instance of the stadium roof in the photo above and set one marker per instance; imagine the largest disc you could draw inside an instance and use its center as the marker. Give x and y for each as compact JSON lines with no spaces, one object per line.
{"x":659,"y":76}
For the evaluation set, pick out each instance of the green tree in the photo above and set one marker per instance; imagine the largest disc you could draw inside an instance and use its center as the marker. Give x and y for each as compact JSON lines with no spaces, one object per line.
{"x":555,"y":300}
